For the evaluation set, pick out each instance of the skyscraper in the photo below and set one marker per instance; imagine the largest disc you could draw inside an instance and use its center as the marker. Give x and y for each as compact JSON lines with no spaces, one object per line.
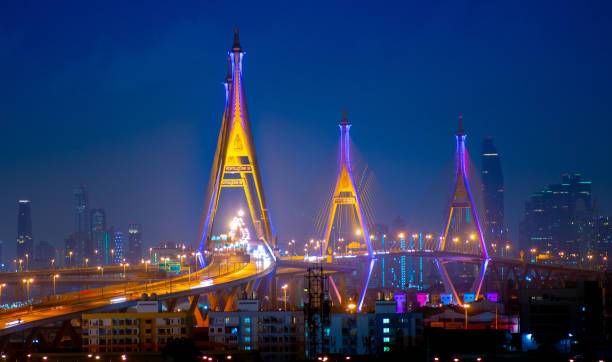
{"x":83,"y":247}
{"x":492,"y":188}
{"x":44,"y":254}
{"x":134,"y":252}
{"x":97,"y":224}
{"x":25,"y":243}
{"x":559,"y":218}
{"x":118,"y":247}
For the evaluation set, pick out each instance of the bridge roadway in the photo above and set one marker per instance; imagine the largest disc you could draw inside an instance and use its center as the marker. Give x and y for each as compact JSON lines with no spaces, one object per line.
{"x":72,"y":305}
{"x":458,"y":257}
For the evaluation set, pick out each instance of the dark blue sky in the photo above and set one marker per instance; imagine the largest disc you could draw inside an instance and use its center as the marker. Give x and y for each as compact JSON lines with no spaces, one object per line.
{"x":127,"y":99}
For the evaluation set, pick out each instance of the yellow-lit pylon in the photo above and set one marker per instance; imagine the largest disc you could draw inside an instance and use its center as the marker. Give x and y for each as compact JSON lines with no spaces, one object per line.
{"x":345,"y":192}
{"x":235,"y":163}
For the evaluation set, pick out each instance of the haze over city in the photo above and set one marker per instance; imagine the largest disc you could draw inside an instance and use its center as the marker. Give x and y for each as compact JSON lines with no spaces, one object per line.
{"x":128,"y":100}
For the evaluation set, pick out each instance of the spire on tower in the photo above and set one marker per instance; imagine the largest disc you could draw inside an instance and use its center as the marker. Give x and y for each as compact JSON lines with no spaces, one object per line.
{"x":460,"y":131}
{"x":344,"y":120}
{"x":236,"y":47}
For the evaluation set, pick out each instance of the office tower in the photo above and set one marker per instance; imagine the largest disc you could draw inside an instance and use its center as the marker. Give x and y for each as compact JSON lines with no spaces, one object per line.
{"x":603,"y":249}
{"x":69,"y":250}
{"x":108,"y":239}
{"x":97,"y":223}
{"x":134,"y":252}
{"x":1,"y":256}
{"x":559,"y":219}
{"x":45,"y":252}
{"x":118,"y":247}
{"x":492,"y":188}
{"x":83,"y":246}
{"x":25,"y":243}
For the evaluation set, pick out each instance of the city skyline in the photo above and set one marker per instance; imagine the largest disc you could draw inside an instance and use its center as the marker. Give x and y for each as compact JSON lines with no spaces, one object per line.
{"x":119,"y":181}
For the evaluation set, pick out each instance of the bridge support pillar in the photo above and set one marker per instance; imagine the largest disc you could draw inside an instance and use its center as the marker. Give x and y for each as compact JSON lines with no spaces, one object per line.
{"x":170,"y":304}
{"x":197,"y":313}
{"x":295,"y":290}
{"x":343,"y":287}
{"x":273,"y":292}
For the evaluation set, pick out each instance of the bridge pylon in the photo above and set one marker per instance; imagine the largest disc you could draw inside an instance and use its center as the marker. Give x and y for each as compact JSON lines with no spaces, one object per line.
{"x":460,"y":207}
{"x":235,"y":163}
{"x":345,"y":192}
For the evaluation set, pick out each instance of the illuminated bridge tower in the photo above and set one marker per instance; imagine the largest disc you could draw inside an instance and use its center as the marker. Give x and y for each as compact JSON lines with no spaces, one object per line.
{"x":461,"y":207}
{"x":235,"y":163}
{"x":345,"y":193}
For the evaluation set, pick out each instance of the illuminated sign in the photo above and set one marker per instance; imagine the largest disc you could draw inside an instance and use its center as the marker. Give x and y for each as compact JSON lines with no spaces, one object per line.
{"x":469,"y":297}
{"x":446,"y":299}
{"x":344,"y":200}
{"x":422,"y":298}
{"x":232,"y":182}
{"x":237,"y":168}
{"x":492,"y":297}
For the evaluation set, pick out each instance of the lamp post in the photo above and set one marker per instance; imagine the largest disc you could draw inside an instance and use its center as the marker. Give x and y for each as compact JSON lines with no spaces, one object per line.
{"x":27,"y":283}
{"x":20,"y":264}
{"x":55,"y":276}
{"x":52,"y":263}
{"x":15,"y":261}
{"x":112,"y":256}
{"x":27,"y":262}
{"x":352,"y":307}
{"x":70,"y":258}
{"x":284,"y":287}
{"x":3,"y":285}
{"x":86,"y":262}
{"x":465,"y":308}
{"x":150,"y":251}
{"x":101,"y":269}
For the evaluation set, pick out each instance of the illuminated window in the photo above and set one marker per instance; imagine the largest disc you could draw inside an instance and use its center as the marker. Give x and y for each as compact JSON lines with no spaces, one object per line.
{"x":247,"y":329}
{"x":385,"y":330}
{"x":386,"y":349}
{"x":247,"y":320}
{"x":386,"y":339}
{"x":247,"y":339}
{"x":385,"y":320}
{"x":248,"y":348}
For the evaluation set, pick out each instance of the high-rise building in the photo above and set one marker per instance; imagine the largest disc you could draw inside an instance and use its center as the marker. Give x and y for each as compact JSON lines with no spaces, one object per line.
{"x":134,"y":251}
{"x":25,"y":243}
{"x":559,"y":219}
{"x":83,"y":246}
{"x":45,"y":252}
{"x":118,"y":253}
{"x":492,"y":188}
{"x":97,"y":225}
{"x":604,"y":241}
{"x":1,"y":256}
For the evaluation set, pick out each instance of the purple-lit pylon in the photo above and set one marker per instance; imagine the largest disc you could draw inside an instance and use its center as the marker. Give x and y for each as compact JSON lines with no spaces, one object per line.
{"x":461,"y":199}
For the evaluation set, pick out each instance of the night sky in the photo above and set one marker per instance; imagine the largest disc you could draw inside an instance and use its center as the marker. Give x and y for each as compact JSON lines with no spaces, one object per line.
{"x":127,"y":99}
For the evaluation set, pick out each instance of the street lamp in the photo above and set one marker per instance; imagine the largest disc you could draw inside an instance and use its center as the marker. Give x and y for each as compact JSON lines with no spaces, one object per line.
{"x":352,"y":307}
{"x":112,"y":256}
{"x":465,"y":307}
{"x":55,"y":276}
{"x":3,"y":285}
{"x":101,"y":269}
{"x":70,"y":258}
{"x":27,"y":283}
{"x":86,"y":262}
{"x":284,"y":287}
{"x":27,"y":262}
{"x":20,"y":264}
{"x":52,"y":263}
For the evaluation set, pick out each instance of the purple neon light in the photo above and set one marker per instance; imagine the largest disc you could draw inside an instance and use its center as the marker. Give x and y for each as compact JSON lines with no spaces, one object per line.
{"x":365,"y":285}
{"x":461,"y":145}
